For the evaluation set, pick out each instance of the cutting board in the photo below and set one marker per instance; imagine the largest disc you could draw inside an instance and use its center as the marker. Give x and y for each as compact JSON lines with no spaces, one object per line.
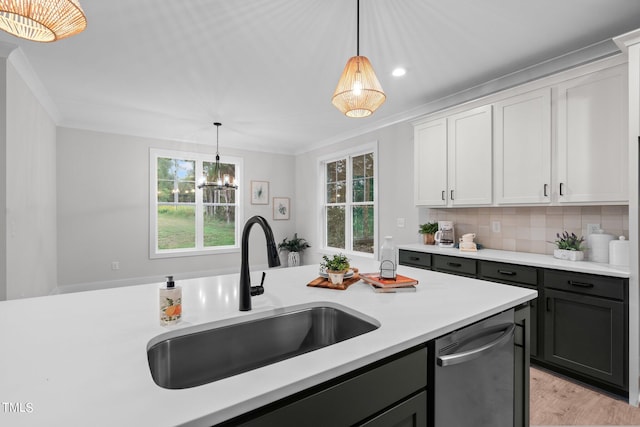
{"x":322,"y":282}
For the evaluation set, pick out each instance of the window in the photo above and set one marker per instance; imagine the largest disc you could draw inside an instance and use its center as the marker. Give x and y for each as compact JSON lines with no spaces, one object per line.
{"x":349,"y":201}
{"x":186,"y":220}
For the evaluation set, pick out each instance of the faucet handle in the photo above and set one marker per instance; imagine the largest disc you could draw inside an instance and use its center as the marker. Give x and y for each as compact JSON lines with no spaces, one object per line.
{"x":259,"y":290}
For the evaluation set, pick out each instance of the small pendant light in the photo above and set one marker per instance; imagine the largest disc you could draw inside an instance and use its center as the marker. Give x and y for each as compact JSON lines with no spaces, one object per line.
{"x":42,"y":20}
{"x":359,"y":92}
{"x":222,"y":182}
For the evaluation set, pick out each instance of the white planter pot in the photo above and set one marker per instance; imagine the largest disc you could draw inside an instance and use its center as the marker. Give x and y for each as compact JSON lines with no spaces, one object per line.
{"x":293,"y":259}
{"x":568,"y":255}
{"x":336,"y":277}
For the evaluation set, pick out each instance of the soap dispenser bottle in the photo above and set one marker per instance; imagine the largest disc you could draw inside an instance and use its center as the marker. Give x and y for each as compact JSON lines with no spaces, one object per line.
{"x":170,"y":303}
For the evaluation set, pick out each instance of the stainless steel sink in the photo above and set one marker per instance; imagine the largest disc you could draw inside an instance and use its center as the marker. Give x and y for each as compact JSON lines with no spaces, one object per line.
{"x":203,"y":356}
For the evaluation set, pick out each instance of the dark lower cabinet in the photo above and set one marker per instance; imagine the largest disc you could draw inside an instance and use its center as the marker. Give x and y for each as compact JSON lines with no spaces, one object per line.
{"x":410,"y":413}
{"x":388,"y":393}
{"x":578,"y":324}
{"x":586,"y":334}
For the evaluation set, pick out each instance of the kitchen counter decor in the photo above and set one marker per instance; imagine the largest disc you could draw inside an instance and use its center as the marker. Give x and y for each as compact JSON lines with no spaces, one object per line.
{"x":569,"y":247}
{"x":324,"y":281}
{"x":336,"y":267}
{"x":428,"y":231}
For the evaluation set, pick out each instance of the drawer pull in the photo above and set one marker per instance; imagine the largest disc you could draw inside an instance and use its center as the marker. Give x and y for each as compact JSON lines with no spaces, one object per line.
{"x":507,"y":273}
{"x":580,"y":284}
{"x":414,"y":258}
{"x":454,"y":264}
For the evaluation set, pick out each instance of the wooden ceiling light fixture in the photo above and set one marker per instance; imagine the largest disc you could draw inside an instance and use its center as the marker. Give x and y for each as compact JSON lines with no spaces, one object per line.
{"x":359,"y":92}
{"x":42,"y":20}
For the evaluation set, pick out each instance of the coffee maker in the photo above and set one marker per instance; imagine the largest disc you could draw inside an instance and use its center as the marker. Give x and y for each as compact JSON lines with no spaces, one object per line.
{"x":445,"y":236}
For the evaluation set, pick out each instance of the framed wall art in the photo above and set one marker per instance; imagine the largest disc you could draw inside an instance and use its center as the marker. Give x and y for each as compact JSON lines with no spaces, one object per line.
{"x":281,"y":207}
{"x":259,"y":192}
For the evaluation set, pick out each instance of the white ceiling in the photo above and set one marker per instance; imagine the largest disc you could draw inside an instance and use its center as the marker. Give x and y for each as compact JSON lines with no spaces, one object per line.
{"x":267,"y":69}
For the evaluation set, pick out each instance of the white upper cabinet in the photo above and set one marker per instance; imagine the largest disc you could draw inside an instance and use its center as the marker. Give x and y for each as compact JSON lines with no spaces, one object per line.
{"x":522,"y":143}
{"x":452,"y":162}
{"x":470,"y":157}
{"x":592,"y":151}
{"x":430,"y":163}
{"x":559,"y":140}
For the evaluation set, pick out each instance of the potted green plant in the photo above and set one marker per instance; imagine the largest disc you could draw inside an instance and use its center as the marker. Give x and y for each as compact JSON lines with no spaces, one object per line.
{"x":428,"y":231}
{"x":336,"y":267}
{"x":569,"y":247}
{"x":295,"y":247}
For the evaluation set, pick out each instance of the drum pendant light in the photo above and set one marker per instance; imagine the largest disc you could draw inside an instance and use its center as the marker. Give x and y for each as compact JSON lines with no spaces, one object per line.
{"x":42,"y":20}
{"x":359,"y":92}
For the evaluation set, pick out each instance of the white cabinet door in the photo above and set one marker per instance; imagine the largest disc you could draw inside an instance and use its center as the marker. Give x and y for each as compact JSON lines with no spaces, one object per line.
{"x":592,"y":138}
{"x":523,"y":148}
{"x":430,"y":163}
{"x":470,"y":157}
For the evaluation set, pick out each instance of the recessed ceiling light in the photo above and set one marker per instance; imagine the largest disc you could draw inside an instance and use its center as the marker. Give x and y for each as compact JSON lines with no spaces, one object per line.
{"x":398,"y":72}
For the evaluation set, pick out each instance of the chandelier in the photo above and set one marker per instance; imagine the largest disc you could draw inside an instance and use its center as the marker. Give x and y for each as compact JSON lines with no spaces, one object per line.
{"x":359,"y":92}
{"x":223,"y":182}
{"x":42,"y":20}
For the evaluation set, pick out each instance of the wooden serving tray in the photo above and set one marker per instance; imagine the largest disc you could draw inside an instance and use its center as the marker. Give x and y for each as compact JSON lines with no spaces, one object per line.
{"x":322,"y":282}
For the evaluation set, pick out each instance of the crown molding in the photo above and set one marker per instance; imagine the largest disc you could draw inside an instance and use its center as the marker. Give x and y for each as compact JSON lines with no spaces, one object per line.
{"x":18,"y":59}
{"x":588,"y":54}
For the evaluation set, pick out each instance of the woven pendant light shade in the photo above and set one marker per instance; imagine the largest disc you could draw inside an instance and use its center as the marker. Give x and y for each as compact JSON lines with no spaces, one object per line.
{"x":42,"y":20}
{"x":359,"y":92}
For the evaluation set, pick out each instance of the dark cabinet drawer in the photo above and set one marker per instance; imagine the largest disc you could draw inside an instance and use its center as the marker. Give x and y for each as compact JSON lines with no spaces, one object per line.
{"x":587,"y":284}
{"x":508,"y":273}
{"x":415,"y":259}
{"x":449,"y":264}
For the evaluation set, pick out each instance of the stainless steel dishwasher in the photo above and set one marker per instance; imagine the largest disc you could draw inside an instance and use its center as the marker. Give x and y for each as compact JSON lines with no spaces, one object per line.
{"x":473,"y":372}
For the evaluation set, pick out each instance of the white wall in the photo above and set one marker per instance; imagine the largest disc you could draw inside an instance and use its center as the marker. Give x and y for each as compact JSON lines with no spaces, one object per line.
{"x":395,"y":187}
{"x":103,"y":210}
{"x":3,"y":178}
{"x":30,"y":192}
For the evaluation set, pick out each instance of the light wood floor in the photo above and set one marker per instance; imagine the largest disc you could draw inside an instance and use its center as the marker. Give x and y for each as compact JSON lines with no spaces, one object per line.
{"x":558,"y":402}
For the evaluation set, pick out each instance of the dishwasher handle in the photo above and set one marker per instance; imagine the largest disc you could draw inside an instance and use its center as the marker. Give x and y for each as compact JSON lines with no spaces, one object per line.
{"x":465,"y":356}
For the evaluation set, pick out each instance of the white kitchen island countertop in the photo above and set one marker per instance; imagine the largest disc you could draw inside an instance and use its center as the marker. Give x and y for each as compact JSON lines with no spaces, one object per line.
{"x":525,"y":258}
{"x":80,"y":359}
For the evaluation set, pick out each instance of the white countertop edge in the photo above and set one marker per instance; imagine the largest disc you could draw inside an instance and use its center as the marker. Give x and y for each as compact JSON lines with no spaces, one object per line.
{"x":525,"y":258}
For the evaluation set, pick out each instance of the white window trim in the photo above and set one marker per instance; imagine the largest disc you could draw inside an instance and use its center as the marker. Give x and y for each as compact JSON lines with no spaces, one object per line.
{"x":321,"y":214}
{"x":154,"y":154}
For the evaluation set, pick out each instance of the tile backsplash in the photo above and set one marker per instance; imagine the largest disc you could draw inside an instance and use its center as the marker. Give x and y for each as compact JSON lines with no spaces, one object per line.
{"x":529,"y":229}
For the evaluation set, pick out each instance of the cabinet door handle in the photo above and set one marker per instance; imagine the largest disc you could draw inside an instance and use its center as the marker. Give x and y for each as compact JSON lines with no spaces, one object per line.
{"x":442,"y":195}
{"x":451,"y":194}
{"x":562,"y":189}
{"x":507,"y":273}
{"x":549,"y":306}
{"x":546,"y":187}
{"x":580,"y":284}
{"x":454,"y":264}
